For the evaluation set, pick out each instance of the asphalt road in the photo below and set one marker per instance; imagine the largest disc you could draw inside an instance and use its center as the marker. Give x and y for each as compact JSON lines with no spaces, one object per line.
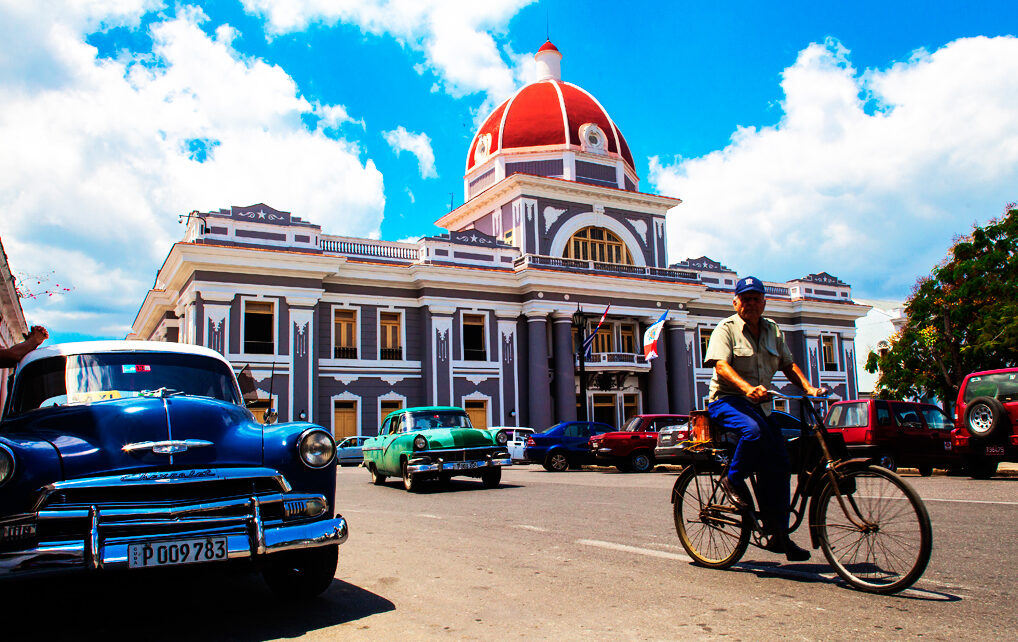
{"x":586,"y":554}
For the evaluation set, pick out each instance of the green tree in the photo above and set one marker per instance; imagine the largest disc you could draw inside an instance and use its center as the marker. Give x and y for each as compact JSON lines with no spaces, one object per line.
{"x":962,"y":318}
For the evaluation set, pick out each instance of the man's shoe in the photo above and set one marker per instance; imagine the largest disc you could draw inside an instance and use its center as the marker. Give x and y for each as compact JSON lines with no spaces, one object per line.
{"x":784,"y":545}
{"x":735,"y":495}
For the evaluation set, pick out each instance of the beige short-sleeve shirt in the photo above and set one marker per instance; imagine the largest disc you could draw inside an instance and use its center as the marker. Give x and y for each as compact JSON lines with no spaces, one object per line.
{"x":754,"y":359}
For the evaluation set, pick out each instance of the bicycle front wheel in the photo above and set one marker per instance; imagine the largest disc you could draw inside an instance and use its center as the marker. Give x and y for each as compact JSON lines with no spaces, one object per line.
{"x":889,"y":548}
{"x":711,"y":530}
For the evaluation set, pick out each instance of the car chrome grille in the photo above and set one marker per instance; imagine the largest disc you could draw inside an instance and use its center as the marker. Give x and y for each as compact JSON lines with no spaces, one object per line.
{"x":161,"y":494}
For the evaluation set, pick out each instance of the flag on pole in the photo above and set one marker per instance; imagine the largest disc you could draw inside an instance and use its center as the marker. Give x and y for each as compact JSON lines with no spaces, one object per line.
{"x":650,"y":338}
{"x":588,"y":343}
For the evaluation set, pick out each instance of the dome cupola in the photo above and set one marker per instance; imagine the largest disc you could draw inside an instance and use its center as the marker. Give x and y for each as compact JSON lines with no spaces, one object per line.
{"x":550,"y":128}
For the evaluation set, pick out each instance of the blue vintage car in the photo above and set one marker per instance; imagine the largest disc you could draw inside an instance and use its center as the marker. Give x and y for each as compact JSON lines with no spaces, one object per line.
{"x":129,"y":454}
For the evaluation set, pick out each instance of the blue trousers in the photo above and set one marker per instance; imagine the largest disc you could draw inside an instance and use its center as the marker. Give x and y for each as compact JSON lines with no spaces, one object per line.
{"x":761,"y":450}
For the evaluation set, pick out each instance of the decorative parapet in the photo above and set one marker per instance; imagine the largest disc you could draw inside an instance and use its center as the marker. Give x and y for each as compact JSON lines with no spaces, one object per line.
{"x":369,"y":248}
{"x":617,"y":269}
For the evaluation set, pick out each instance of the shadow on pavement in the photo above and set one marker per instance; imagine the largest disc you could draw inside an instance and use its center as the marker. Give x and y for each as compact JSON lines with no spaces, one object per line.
{"x":173,"y":605}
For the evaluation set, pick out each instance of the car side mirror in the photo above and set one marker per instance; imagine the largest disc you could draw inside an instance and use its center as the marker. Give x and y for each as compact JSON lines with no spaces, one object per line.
{"x":270,"y":417}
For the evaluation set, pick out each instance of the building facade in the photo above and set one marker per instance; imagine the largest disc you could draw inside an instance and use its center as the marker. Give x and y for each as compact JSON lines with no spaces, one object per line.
{"x":13,"y":326}
{"x":485,"y":316}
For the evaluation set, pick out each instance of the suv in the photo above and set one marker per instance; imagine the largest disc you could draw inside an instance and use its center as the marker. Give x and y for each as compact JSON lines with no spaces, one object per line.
{"x":632,"y":448}
{"x":895,"y":433}
{"x":986,"y":417}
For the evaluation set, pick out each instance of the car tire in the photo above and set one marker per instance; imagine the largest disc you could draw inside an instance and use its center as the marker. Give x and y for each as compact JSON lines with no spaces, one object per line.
{"x":641,"y":461}
{"x":411,"y":482}
{"x":557,"y":462}
{"x":491,"y":478}
{"x":985,"y":417}
{"x":925,"y":470}
{"x":886,"y":460}
{"x":377,"y":478}
{"x":624,"y":467}
{"x":981,"y":468}
{"x":301,"y":574}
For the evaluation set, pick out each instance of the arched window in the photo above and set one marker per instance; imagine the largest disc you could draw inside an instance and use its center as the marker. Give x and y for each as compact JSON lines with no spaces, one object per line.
{"x":598,"y":244}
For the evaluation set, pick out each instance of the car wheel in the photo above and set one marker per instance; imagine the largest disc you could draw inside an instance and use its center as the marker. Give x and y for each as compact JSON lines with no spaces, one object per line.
{"x":925,"y":471}
{"x":557,"y":462}
{"x":641,"y":461}
{"x":984,"y":417}
{"x":301,"y":574}
{"x":410,"y":480}
{"x":981,"y":468}
{"x":491,"y":478}
{"x":624,"y":467}
{"x":886,"y":460}
{"x":377,"y":478}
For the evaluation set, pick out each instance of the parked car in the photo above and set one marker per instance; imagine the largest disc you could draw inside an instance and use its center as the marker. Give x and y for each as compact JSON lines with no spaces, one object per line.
{"x":564,"y":445}
{"x":435,"y":442}
{"x":131,"y":454}
{"x":632,"y":448}
{"x":517,"y":441}
{"x":895,"y":433}
{"x":986,"y":421}
{"x":348,"y":451}
{"x":670,"y":449}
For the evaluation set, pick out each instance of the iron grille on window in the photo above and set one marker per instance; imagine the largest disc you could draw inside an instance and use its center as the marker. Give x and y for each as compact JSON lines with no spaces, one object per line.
{"x":392,"y":354}
{"x":344,"y":353}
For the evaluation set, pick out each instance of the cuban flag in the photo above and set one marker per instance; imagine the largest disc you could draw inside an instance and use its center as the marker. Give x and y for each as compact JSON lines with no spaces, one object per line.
{"x":588,"y":343}
{"x":650,"y":338}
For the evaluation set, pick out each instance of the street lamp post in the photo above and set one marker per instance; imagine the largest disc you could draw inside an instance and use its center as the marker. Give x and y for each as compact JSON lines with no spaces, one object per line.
{"x":580,"y":322}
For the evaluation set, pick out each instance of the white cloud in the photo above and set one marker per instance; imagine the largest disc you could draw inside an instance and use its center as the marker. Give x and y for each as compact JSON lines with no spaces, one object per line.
{"x":867,"y":176}
{"x":400,"y":140}
{"x":455,"y":36}
{"x":102,"y":155}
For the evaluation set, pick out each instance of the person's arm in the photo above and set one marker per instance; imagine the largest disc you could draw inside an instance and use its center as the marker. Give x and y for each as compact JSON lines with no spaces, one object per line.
{"x":11,"y":356}
{"x":728,"y":374}
{"x":796,"y":376}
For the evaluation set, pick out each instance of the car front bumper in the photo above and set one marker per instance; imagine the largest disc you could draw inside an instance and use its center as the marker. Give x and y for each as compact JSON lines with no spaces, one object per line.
{"x":39,"y":543}
{"x":459,"y":467}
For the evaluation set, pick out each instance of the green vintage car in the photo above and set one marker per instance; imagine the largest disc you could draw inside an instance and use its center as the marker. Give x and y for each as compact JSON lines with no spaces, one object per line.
{"x":434,"y":442}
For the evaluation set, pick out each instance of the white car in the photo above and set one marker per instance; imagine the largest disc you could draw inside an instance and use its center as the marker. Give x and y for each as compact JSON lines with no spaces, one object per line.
{"x":517,"y":440}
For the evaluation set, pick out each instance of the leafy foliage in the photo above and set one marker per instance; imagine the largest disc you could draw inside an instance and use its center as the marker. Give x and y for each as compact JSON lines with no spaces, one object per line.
{"x":962,"y":318}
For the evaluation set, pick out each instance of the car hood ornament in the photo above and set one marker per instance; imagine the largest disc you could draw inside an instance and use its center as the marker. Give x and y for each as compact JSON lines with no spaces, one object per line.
{"x":166,"y":447}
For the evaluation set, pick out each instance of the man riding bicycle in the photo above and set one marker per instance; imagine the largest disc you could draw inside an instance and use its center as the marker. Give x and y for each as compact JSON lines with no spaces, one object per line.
{"x":745,"y":350}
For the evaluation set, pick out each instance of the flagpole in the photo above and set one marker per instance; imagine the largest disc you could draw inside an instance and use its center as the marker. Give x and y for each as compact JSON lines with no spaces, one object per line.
{"x":580,"y":321}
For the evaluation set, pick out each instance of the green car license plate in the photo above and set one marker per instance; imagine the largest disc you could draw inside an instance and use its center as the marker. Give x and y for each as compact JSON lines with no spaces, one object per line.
{"x":180,"y":551}
{"x":460,"y":465}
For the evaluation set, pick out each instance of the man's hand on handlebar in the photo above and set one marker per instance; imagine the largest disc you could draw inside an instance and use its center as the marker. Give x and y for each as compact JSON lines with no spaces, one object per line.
{"x":759,"y":394}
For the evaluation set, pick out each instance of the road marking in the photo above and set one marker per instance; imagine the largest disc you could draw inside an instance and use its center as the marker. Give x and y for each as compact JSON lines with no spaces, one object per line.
{"x":634,"y":549}
{"x":528,"y":527}
{"x":428,"y":516}
{"x":970,"y":501}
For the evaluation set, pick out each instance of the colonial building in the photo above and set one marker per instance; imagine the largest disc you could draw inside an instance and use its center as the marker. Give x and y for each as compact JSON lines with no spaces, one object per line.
{"x":13,"y":326}
{"x":343,"y":330}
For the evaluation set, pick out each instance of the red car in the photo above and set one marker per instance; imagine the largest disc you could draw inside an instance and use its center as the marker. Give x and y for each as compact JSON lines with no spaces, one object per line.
{"x":632,"y":448}
{"x":896,"y":433}
{"x":986,"y":420}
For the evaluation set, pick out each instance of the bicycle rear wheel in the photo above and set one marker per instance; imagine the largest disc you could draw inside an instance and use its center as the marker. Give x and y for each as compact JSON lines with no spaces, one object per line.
{"x":892,"y":552}
{"x":710,"y":529}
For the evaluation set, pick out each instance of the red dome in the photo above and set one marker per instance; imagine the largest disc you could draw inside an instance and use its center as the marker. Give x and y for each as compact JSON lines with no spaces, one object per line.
{"x":547,"y":112}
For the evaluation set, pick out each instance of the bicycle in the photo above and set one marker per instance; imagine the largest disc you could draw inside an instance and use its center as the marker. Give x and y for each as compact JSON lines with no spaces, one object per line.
{"x":871,"y":525}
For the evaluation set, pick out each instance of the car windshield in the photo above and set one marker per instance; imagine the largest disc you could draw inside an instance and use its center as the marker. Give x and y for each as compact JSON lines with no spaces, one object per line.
{"x":632,"y":424}
{"x":1002,"y":386}
{"x":436,"y":419}
{"x":94,"y":378}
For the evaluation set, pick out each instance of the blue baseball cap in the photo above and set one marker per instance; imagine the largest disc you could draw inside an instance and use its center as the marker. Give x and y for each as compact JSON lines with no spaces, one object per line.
{"x":749,"y":284}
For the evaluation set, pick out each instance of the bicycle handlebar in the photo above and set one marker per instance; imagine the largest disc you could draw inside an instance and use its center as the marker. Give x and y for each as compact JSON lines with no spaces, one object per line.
{"x":777,"y":393}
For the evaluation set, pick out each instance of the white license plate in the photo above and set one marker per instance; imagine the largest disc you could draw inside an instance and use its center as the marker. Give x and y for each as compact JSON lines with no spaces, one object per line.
{"x":460,"y":465}
{"x":180,"y":551}
{"x":994,"y":450}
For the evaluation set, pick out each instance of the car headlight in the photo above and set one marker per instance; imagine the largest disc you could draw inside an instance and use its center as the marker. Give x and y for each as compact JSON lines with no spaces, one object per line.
{"x":316,"y":448}
{"x":420,"y":443}
{"x":501,"y":438}
{"x":6,"y":464}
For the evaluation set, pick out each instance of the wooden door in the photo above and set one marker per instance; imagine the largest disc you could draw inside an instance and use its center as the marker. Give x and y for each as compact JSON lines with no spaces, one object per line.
{"x":478,"y":413}
{"x":345,"y":419}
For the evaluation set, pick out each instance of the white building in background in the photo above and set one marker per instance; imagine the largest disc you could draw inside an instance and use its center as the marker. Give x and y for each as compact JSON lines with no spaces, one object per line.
{"x":873,"y":333}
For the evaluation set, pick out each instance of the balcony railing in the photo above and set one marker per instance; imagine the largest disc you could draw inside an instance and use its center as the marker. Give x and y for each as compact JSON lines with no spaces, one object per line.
{"x":340,"y":352}
{"x":369,"y":248}
{"x":562,"y":263}
{"x":391,"y":354}
{"x":613,"y":359}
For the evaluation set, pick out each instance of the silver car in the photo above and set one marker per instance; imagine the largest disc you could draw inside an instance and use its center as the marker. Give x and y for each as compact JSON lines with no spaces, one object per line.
{"x":348,"y":451}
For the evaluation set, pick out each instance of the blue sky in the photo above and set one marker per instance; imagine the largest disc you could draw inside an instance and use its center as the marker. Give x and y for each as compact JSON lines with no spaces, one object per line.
{"x":857,"y":139}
